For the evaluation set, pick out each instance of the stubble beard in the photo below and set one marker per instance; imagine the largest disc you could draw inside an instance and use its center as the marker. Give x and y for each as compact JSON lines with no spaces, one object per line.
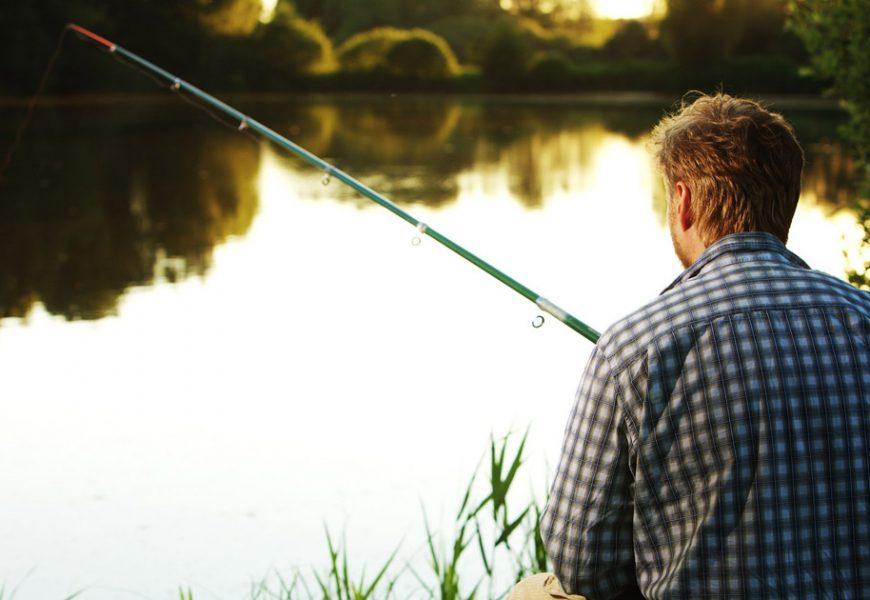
{"x":679,"y":249}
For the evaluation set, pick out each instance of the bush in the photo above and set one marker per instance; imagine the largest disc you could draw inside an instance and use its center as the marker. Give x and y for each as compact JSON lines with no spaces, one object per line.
{"x":365,"y":51}
{"x":551,"y":71}
{"x":402,"y":52}
{"x":506,"y":59}
{"x":289,"y":46}
{"x":424,"y":56}
{"x":538,"y":37}
{"x":231,"y":17}
{"x":631,"y":40}
{"x":694,"y":34}
{"x":467,"y":35}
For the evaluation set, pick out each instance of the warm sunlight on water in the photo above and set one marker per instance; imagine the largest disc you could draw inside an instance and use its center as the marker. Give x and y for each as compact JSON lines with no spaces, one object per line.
{"x":253,"y":354}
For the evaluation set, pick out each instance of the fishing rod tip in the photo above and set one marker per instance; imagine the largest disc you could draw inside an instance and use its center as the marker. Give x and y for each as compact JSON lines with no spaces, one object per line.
{"x":90,"y":35}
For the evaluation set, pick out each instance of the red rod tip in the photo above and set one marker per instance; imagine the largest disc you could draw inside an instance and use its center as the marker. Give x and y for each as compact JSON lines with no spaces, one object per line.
{"x":91,"y":35}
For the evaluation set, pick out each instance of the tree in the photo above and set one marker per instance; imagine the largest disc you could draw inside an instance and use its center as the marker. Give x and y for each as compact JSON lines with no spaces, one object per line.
{"x":402,"y":52}
{"x":632,"y":40}
{"x":837,"y":35}
{"x":423,"y":55}
{"x":291,"y":45}
{"x":549,"y":12}
{"x":701,"y":32}
{"x":366,"y":51}
{"x":231,"y":17}
{"x":506,"y":59}
{"x":755,"y":26}
{"x":694,"y":33}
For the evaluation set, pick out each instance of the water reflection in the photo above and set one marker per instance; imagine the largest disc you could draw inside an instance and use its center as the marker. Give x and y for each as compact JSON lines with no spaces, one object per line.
{"x":95,"y":205}
{"x":104,"y":198}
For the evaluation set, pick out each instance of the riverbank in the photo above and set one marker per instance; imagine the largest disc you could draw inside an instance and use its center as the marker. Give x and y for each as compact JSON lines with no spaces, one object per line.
{"x":611,"y":99}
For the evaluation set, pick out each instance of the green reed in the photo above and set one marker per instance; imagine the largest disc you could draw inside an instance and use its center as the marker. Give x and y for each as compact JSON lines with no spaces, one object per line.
{"x":494,"y":542}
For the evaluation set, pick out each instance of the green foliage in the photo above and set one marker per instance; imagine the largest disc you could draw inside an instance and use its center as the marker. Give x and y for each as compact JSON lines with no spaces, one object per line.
{"x":551,"y":70}
{"x":345,"y":18}
{"x":837,"y":35}
{"x":860,"y":277}
{"x":756,"y":26}
{"x":423,"y":55}
{"x":366,"y":51}
{"x":492,"y":538}
{"x":700,"y":32}
{"x":401,"y":52}
{"x":231,"y":17}
{"x":467,"y":35}
{"x":506,"y":58}
{"x":475,"y":538}
{"x":551,"y":11}
{"x":291,"y":45}
{"x":221,"y":45}
{"x":632,"y":40}
{"x":694,"y":33}
{"x":537,"y":37}
{"x":445,"y":567}
{"x":337,"y":584}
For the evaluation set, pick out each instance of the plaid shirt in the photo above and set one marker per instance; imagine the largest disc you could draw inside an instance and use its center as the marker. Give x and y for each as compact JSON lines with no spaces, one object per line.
{"x":720,"y":441}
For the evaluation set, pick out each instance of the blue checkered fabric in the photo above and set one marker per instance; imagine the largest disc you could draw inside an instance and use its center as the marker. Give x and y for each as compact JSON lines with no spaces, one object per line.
{"x":719,"y":446}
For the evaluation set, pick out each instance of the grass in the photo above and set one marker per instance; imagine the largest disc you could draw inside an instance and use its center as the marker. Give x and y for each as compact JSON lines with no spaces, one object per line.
{"x":10,"y":595}
{"x":493,"y":544}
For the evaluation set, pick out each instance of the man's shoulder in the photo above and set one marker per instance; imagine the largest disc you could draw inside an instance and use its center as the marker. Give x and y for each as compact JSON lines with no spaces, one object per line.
{"x":740,"y":289}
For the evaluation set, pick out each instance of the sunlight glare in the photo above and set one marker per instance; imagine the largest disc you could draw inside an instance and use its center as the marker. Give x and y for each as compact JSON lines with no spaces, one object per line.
{"x":623,"y":9}
{"x":267,"y":10}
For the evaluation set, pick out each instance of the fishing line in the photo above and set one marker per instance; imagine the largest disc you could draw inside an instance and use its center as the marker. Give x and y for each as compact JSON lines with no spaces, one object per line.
{"x":175,"y":86}
{"x":31,"y":105}
{"x":250,"y":126}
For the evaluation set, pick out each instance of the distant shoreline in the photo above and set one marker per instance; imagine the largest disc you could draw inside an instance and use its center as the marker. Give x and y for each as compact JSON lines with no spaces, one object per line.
{"x":617,"y":99}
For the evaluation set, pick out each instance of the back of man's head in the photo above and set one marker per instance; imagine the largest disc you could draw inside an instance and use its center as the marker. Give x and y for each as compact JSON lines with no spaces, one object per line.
{"x":741,"y":162}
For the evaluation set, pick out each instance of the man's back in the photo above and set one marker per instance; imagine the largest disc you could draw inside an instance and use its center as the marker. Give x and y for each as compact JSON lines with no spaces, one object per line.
{"x":722,"y":445}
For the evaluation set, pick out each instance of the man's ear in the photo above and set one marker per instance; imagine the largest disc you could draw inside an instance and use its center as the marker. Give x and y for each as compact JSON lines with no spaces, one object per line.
{"x":683,"y":202}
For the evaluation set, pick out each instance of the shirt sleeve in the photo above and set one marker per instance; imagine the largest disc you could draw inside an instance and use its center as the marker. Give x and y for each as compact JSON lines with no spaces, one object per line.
{"x":587,"y":524}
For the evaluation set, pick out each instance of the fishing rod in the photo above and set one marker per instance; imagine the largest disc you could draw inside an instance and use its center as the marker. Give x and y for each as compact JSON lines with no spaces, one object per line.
{"x":246,"y":123}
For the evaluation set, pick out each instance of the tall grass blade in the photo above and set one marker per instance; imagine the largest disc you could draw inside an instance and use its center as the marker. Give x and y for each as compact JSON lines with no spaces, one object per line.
{"x":465,"y":498}
{"x":486,"y":563}
{"x":374,"y":584}
{"x":347,"y":585}
{"x":324,"y":588}
{"x":517,"y":461}
{"x":430,"y":543}
{"x":509,"y":528}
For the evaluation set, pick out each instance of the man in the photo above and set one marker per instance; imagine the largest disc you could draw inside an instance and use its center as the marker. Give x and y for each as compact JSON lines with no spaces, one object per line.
{"x":720,"y":442}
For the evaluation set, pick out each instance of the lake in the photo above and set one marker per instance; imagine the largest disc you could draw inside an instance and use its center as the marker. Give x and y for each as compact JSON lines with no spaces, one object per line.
{"x":208,"y":354}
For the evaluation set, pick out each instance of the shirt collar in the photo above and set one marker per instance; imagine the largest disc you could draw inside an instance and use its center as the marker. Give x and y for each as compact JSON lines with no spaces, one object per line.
{"x":758,"y":245}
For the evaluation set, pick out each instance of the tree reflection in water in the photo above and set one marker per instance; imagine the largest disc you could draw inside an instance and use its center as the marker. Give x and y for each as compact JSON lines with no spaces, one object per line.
{"x":95,"y":203}
{"x":102,"y":198}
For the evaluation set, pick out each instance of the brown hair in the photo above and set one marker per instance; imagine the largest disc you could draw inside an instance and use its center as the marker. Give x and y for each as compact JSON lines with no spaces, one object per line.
{"x":741,"y":162}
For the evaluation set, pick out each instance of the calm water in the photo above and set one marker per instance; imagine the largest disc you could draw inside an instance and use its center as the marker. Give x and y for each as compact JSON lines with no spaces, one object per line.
{"x":207,"y":354}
